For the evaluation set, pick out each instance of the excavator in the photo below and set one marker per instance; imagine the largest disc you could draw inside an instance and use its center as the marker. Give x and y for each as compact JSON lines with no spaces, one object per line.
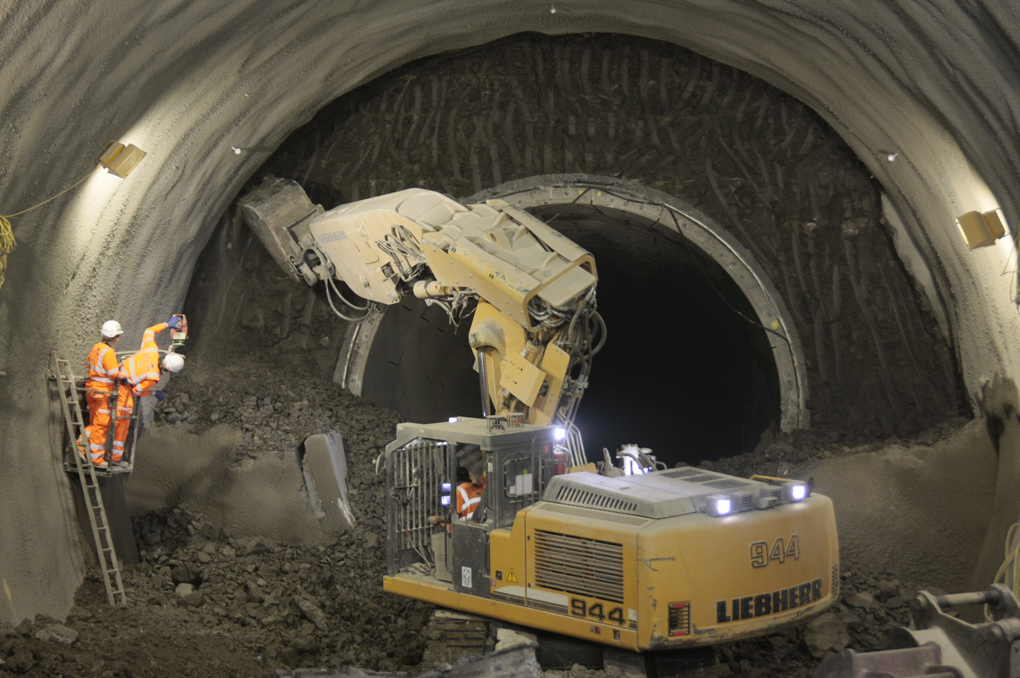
{"x":641,"y":557}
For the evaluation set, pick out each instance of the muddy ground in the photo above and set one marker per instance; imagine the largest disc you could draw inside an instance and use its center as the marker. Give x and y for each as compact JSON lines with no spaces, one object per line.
{"x":206,"y":601}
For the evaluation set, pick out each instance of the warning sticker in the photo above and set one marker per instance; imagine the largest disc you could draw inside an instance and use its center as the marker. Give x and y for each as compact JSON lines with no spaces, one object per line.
{"x":511,"y":577}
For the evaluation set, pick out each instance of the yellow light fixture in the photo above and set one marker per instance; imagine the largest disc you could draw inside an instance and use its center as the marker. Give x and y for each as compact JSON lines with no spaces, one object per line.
{"x":119,"y":159}
{"x":981,"y":229}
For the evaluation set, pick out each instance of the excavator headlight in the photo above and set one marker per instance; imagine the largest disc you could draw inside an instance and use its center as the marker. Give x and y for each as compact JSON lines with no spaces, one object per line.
{"x":560,"y":433}
{"x":719,"y":505}
{"x":794,"y":492}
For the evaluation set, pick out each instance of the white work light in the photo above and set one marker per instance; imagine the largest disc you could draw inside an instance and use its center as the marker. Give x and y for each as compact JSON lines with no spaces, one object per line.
{"x":719,"y":505}
{"x":559,"y":433}
{"x":454,"y":420}
{"x":794,"y":492}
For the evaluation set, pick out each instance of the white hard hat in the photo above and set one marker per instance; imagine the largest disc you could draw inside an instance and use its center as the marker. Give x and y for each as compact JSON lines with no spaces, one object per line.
{"x":173,"y":362}
{"x":111,"y":329}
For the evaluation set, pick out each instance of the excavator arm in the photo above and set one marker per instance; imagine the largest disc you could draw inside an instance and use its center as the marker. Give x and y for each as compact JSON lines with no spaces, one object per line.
{"x":529,"y":289}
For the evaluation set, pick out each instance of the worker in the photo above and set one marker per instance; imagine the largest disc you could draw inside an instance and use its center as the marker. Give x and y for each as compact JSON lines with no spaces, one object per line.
{"x":100,"y":391}
{"x":469,"y":494}
{"x":139,"y":373}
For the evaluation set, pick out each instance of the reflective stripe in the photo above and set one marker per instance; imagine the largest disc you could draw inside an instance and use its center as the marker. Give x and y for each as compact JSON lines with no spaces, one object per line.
{"x":144,"y":365}
{"x":467,"y":504}
{"x":102,"y":368}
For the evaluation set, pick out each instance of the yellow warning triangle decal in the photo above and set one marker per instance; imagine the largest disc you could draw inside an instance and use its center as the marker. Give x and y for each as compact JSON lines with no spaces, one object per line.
{"x":511,"y":577}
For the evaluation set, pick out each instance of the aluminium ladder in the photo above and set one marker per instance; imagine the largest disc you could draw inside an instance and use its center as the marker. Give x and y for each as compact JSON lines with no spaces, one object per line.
{"x":89,"y":483}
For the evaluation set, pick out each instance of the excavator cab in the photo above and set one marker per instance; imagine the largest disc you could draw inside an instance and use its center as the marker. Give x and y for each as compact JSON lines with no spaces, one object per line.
{"x":422,"y":466}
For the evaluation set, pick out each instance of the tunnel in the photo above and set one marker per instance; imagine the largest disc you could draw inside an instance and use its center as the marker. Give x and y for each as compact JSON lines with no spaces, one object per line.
{"x":771,"y":194}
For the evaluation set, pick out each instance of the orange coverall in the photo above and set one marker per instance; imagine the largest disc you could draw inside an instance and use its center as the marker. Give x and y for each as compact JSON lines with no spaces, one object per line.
{"x":468,"y":497}
{"x":99,"y":389}
{"x":139,"y":373}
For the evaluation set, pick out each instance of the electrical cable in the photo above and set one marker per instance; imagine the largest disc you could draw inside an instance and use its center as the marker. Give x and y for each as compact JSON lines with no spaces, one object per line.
{"x":719,"y":294}
{"x":672,"y":212}
{"x":7,"y":239}
{"x":7,"y":245}
{"x":329,"y":298}
{"x":1009,"y":571}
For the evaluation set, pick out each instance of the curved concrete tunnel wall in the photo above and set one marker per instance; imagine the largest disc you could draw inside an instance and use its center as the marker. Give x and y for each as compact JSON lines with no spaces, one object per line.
{"x":934,"y":83}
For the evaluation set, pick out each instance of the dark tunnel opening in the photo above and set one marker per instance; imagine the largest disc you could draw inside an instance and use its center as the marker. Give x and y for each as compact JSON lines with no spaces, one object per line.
{"x":684,"y":371}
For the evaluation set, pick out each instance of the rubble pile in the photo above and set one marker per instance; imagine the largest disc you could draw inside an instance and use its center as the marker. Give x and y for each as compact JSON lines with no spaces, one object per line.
{"x":204,"y":602}
{"x":791,"y":455}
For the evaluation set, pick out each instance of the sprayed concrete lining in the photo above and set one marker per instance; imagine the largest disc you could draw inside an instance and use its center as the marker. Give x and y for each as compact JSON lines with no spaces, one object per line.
{"x":936,"y":83}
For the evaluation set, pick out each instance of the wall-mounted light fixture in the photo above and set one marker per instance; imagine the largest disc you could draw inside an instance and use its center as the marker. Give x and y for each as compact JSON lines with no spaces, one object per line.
{"x":981,"y":229}
{"x":119,"y":159}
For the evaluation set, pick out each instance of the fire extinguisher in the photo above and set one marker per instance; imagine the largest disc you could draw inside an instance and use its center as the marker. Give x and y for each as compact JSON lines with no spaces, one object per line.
{"x":559,"y":460}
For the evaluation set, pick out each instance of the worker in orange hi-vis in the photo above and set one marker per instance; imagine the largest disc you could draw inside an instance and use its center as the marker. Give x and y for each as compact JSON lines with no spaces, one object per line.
{"x":139,"y":373}
{"x":469,"y":494}
{"x":100,"y":387}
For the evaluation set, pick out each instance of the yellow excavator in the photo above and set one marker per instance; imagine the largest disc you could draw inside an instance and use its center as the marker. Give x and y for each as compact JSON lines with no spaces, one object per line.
{"x":643,"y":557}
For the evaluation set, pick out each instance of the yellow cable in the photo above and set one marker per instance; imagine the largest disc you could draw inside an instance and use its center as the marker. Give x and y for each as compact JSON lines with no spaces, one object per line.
{"x":7,"y":240}
{"x":7,"y":245}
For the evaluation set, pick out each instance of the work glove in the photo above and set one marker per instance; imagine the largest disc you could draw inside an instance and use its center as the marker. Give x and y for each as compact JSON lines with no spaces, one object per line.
{"x":174,"y":322}
{"x":160,"y":396}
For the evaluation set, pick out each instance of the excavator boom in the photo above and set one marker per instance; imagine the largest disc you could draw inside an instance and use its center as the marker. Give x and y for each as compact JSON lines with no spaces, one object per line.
{"x":529,"y":289}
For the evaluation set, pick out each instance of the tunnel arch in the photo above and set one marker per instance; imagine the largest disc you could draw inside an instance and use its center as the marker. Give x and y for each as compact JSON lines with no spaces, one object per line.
{"x":196,"y":79}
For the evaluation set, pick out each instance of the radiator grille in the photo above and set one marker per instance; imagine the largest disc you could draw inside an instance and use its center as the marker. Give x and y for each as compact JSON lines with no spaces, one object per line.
{"x":586,"y":567}
{"x":708,"y":479}
{"x":596,"y":515}
{"x":726,"y":484}
{"x":580,"y":497}
{"x":679,"y":619}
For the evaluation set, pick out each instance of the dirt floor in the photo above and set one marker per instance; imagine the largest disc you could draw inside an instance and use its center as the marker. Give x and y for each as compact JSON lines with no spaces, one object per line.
{"x":207,"y":601}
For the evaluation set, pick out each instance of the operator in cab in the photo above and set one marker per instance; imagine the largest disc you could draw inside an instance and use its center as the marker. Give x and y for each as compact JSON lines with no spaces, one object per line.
{"x":469,"y":494}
